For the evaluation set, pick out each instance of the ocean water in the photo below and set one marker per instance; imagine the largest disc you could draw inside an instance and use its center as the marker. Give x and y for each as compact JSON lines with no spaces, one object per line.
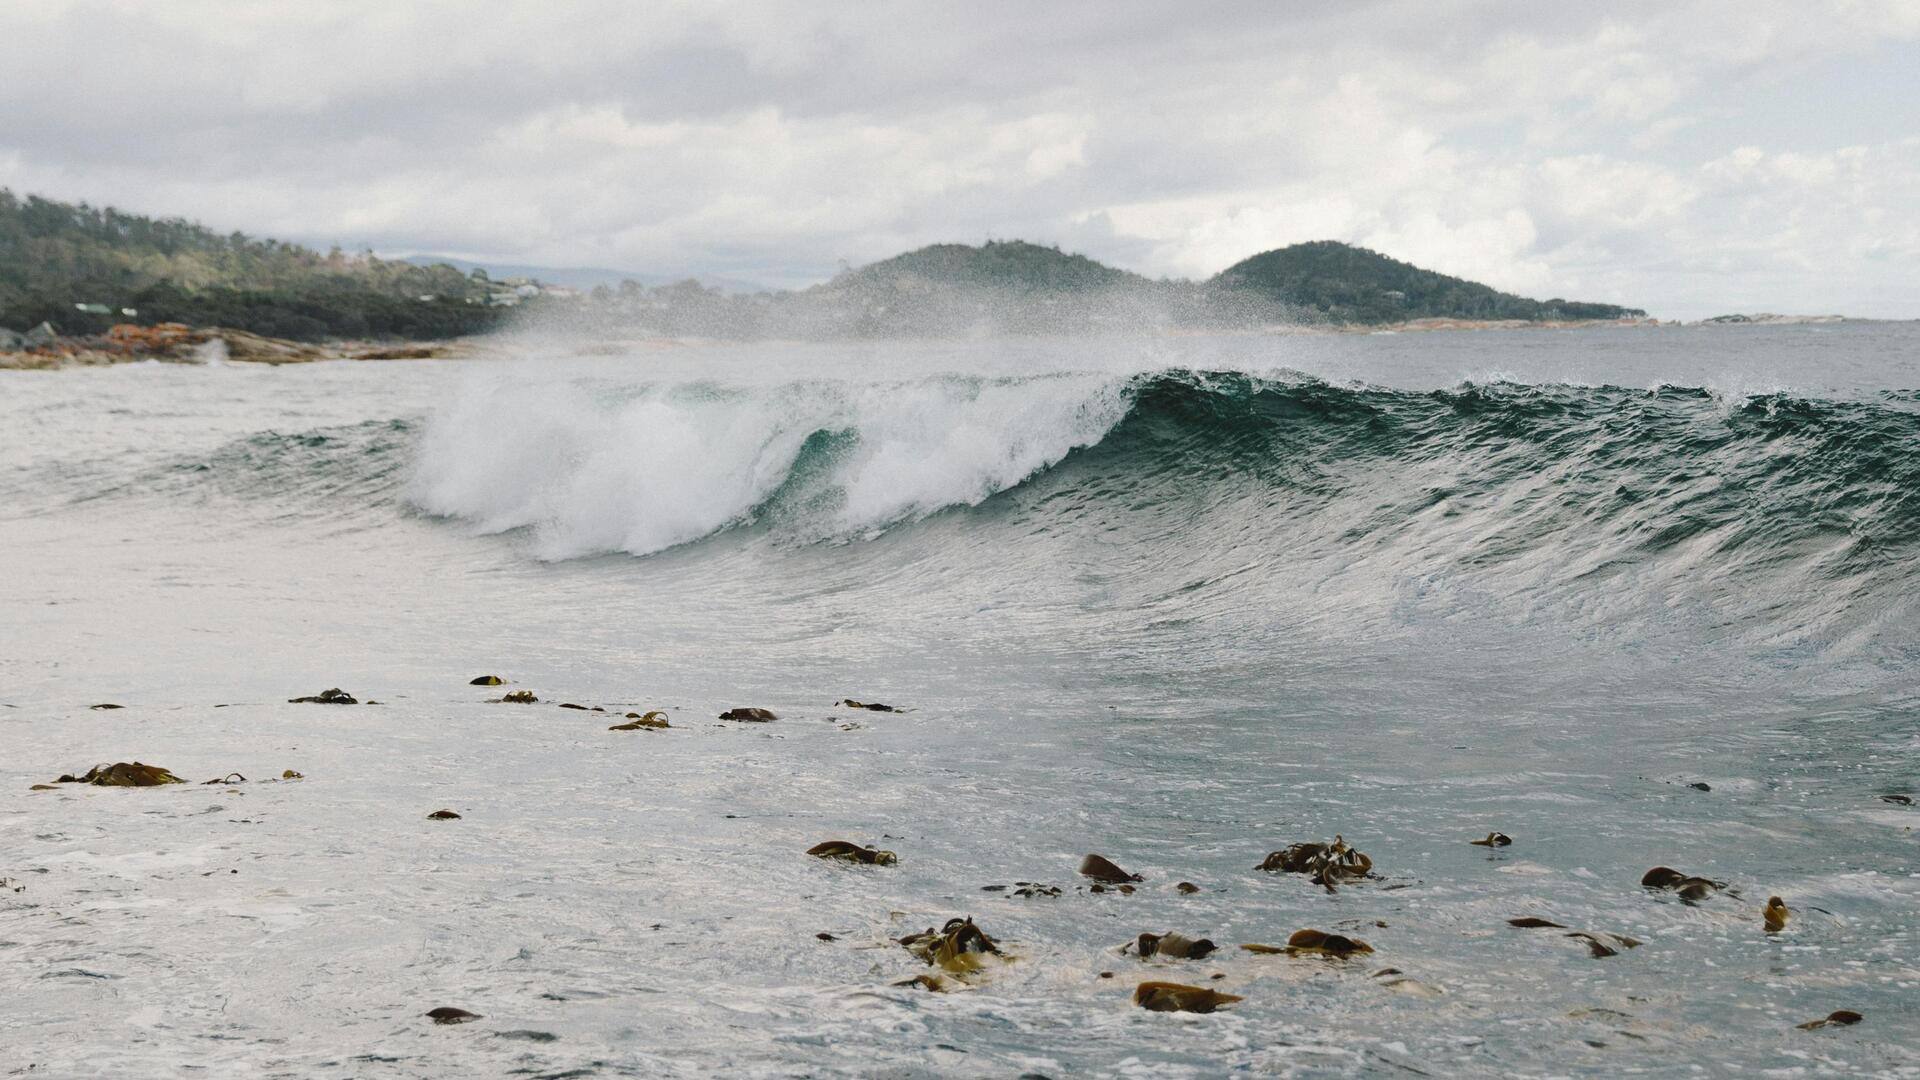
{"x":1178,"y":601}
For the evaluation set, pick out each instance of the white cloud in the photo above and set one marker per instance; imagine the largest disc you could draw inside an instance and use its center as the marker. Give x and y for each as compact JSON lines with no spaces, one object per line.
{"x":1577,"y":152}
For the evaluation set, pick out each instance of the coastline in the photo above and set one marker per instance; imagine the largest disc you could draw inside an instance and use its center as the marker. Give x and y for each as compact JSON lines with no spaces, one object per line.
{"x":175,"y":344}
{"x":171,"y":344}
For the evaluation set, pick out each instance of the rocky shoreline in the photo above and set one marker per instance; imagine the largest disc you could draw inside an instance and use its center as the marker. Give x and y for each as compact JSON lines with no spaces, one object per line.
{"x":43,"y":349}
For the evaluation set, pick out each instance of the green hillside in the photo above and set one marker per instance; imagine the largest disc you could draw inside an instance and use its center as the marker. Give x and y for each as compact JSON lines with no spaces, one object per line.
{"x":1349,"y":284}
{"x":82,"y":268}
{"x":1011,"y":265}
{"x":56,"y":256}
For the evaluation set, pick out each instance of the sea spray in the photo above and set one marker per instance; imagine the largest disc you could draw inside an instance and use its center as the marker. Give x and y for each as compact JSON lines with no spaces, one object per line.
{"x":643,"y":468}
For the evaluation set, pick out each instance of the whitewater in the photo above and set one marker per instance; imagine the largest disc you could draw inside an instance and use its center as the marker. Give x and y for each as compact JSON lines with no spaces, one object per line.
{"x":1634,"y":596}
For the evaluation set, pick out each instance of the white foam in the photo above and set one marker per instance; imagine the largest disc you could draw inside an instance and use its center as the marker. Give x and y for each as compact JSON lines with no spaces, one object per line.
{"x":643,"y":467}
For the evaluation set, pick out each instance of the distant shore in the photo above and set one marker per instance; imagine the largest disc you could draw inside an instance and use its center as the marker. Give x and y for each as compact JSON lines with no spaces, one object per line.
{"x":174,"y":343}
{"x":177,"y":344}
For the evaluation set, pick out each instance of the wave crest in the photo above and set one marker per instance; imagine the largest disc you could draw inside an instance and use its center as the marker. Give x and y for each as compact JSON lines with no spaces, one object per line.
{"x":639,"y":469}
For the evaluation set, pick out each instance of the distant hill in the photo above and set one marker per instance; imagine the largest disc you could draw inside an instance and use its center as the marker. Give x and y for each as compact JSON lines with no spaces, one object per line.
{"x":1343,"y":283}
{"x":1014,"y":285}
{"x":81,"y":267}
{"x":84,"y":269}
{"x":579,"y":277}
{"x":946,"y":290}
{"x":1013,"y":265}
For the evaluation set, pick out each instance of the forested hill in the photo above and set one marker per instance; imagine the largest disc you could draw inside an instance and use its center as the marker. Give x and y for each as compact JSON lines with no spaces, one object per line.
{"x":83,"y":269}
{"x":1350,"y":284}
{"x":1010,"y":265}
{"x":56,"y":257}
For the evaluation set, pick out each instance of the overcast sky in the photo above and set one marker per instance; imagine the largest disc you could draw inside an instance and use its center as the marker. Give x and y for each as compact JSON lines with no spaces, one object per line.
{"x":1689,"y":158}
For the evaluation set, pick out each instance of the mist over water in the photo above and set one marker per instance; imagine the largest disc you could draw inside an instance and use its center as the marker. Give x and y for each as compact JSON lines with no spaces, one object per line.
{"x":1181,"y":601}
{"x":642,"y":466}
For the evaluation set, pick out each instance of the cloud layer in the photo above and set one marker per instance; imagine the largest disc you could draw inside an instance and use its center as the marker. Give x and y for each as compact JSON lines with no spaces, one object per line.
{"x":1689,"y":158}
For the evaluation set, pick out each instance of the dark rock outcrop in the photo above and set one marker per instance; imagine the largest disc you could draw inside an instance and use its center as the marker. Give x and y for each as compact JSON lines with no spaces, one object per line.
{"x":1102,"y":869}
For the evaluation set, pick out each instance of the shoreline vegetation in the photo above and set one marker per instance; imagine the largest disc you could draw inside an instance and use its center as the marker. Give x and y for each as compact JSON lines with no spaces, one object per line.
{"x":83,"y":286}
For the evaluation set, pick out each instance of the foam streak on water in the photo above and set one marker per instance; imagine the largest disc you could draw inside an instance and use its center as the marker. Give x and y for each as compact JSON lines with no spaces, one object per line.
{"x":1177,"y":602}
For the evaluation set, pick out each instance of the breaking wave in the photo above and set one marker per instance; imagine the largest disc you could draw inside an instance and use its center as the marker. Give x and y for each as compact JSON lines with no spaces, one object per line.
{"x":1777,"y":515}
{"x":641,"y":469}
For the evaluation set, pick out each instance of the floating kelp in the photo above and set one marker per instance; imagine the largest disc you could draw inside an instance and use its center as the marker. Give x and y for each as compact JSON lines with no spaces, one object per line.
{"x":1177,"y":997}
{"x":1776,"y":914}
{"x":635,"y":722}
{"x":230,"y":778}
{"x":870,"y":706}
{"x":487,"y":680}
{"x":447,"y":1014}
{"x":1028,"y":889}
{"x":1493,"y":839}
{"x":848,"y":851}
{"x":1325,"y":864}
{"x":1398,"y":982}
{"x":335,"y":696}
{"x":1171,"y":945}
{"x":123,"y":774}
{"x":959,"y":947}
{"x":938,"y":983}
{"x":1324,"y":944}
{"x":1689,"y":888}
{"x":752,"y":716}
{"x":289,"y":774}
{"x":1837,"y":1018}
{"x":1186,"y":888}
{"x":1100,"y":868}
{"x":515,"y":697}
{"x":443,"y":815}
{"x":1313,"y":943}
{"x":1600,"y":945}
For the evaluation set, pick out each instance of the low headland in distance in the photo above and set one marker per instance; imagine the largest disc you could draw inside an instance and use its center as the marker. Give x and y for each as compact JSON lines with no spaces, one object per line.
{"x":87,"y":285}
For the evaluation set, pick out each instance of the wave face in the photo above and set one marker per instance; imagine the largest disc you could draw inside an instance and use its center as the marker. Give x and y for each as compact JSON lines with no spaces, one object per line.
{"x":1794,"y":515}
{"x":641,"y":470}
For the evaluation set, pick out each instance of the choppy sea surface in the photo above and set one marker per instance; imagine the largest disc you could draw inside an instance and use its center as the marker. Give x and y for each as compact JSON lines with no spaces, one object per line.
{"x":1633,"y":596}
